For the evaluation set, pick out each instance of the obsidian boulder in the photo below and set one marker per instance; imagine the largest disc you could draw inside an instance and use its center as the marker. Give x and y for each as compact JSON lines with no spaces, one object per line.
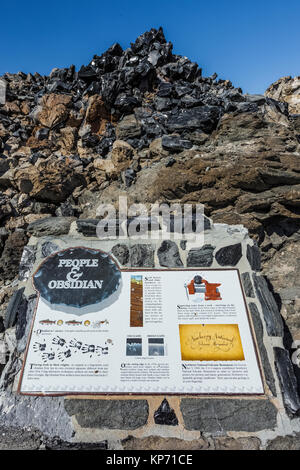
{"x":165,"y":414}
{"x":204,"y":118}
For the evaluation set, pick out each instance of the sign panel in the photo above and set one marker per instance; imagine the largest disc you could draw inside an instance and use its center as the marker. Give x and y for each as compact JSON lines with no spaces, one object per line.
{"x":101,"y":330}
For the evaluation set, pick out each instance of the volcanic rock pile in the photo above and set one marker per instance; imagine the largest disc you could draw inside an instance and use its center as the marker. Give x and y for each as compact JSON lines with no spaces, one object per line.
{"x":145,"y":122}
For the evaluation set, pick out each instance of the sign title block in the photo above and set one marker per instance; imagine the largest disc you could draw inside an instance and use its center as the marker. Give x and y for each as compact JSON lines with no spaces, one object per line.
{"x":98,"y":329}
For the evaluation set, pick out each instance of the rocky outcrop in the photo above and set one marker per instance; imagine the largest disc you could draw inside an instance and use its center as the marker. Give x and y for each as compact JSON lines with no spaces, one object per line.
{"x":146,"y":121}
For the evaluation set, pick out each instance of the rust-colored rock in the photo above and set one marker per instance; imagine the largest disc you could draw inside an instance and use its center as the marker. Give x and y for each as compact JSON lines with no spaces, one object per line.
{"x":12,"y":107}
{"x":54,"y":109}
{"x":104,"y":169}
{"x":121,"y":155}
{"x":97,"y":115}
{"x":50,"y":180}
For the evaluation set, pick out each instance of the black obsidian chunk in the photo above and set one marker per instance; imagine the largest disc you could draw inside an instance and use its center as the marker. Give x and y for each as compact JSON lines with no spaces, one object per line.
{"x":145,"y":41}
{"x":201,"y":256}
{"x":175,"y":144}
{"x":87,"y":74}
{"x":168,"y":254}
{"x":288,"y":381}
{"x":229,"y":255}
{"x":125,"y":103}
{"x":165,"y":414}
{"x":253,"y":256}
{"x":248,"y":287}
{"x":77,"y":277}
{"x":269,"y":307}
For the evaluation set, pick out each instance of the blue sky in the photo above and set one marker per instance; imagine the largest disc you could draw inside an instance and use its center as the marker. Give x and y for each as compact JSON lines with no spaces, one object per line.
{"x":252,"y":43}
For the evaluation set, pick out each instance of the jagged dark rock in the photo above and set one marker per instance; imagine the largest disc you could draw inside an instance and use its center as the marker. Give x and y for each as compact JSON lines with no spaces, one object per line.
{"x":259,"y":332}
{"x":201,"y":256}
{"x":229,"y":255}
{"x":253,"y":256}
{"x":247,"y":284}
{"x":14,"y":305}
{"x":109,"y":414}
{"x":165,"y":414}
{"x":269,"y":307}
{"x":288,"y":381}
{"x":218,"y":415}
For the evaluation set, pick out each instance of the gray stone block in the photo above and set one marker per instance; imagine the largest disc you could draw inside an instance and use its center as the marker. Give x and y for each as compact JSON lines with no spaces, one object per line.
{"x":202,"y":257}
{"x":269,"y":307}
{"x":220,"y":415}
{"x":141,"y":256}
{"x":121,"y":252}
{"x":168,"y":255}
{"x":19,"y":439}
{"x":46,"y":414}
{"x":229,"y":255}
{"x":24,"y":323}
{"x":111,"y":414}
{"x":253,"y":256}
{"x":21,"y":318}
{"x":48,"y":248}
{"x":288,"y":381}
{"x":13,"y":307}
{"x":259,"y":333}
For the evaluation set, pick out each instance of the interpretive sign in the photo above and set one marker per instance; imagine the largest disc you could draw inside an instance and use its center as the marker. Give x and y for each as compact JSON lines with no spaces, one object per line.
{"x":99,"y":330}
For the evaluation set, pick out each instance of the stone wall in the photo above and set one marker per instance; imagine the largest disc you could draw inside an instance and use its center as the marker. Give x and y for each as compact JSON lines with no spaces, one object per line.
{"x":154,"y":422}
